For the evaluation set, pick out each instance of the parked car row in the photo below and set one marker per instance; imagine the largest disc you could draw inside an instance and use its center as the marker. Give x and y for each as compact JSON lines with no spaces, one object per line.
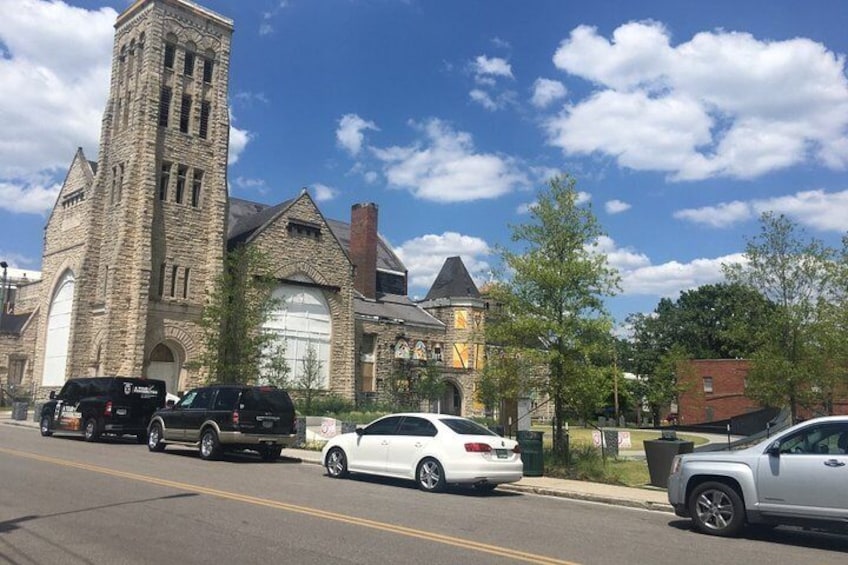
{"x":434,"y":450}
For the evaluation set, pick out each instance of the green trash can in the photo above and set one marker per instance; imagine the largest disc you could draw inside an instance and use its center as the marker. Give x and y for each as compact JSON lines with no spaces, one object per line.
{"x":532,"y":452}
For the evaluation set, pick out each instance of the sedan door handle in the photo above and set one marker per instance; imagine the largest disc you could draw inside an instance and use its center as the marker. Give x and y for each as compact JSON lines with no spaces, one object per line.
{"x":834,"y":463}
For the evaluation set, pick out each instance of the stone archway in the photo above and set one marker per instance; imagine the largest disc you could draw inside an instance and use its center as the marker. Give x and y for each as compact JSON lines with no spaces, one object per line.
{"x":165,"y":364}
{"x":451,"y":401}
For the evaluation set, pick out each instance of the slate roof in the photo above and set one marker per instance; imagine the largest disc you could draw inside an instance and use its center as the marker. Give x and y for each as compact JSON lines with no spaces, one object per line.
{"x":13,"y":323}
{"x":245,"y":217}
{"x":453,"y":281}
{"x":394,"y":308}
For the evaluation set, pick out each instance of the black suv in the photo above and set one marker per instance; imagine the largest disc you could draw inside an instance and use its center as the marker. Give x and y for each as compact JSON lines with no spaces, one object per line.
{"x":220,"y":418}
{"x":103,"y":405}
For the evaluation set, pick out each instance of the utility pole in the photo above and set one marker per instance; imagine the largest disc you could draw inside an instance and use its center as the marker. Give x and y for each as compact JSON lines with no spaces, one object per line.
{"x":3,"y":292}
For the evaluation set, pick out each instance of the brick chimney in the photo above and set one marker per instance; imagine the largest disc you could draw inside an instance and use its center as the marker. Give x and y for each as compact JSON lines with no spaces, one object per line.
{"x":363,"y":247}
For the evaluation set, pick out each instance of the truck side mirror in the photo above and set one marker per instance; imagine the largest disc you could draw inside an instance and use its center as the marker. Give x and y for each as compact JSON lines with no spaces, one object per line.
{"x":52,"y":394}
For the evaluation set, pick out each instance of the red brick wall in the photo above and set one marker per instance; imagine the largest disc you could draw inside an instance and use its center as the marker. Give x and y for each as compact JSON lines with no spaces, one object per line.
{"x":727,"y":398}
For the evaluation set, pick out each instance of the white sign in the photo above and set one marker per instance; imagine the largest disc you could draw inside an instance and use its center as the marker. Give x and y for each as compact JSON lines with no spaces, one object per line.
{"x":623,"y":439}
{"x":328,"y":427}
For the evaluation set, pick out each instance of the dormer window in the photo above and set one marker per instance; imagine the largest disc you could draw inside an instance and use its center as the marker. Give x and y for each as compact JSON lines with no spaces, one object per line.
{"x":303,"y":228}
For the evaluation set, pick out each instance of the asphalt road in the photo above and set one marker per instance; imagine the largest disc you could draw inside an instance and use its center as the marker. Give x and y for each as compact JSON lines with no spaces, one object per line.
{"x":65,"y":501}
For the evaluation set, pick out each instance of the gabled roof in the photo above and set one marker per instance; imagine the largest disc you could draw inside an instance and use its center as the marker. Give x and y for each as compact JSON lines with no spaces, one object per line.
{"x":453,"y":281}
{"x":394,"y":308}
{"x":246,"y":218}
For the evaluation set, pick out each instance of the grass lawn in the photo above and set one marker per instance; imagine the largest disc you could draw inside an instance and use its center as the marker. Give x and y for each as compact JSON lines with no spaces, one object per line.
{"x":578,"y":436}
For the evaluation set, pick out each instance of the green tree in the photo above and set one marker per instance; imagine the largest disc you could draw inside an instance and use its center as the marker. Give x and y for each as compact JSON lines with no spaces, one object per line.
{"x":795,"y":274}
{"x":310,"y":381}
{"x":509,"y":373}
{"x":276,"y":370}
{"x":429,"y":385}
{"x":555,"y":293}
{"x":240,"y":302}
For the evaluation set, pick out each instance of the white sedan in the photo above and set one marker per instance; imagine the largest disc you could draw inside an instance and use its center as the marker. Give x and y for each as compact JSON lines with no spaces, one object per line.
{"x":432,"y":449}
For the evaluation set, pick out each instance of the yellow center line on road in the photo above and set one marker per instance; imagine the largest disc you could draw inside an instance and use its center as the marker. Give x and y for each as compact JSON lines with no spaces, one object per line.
{"x":314,"y":512}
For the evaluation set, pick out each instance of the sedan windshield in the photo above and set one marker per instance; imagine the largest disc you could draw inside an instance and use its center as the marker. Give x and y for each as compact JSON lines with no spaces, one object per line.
{"x":466,"y":427}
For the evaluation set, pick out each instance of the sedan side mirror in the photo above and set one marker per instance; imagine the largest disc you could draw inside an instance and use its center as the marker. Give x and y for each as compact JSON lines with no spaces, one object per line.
{"x":774,"y":449}
{"x":360,"y":431}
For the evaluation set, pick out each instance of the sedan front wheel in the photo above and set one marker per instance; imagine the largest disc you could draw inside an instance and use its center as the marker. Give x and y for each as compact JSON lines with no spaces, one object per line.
{"x":336,"y":463}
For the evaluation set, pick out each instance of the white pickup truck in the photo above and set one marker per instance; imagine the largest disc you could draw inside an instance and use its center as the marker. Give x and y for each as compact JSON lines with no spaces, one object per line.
{"x":797,"y":477}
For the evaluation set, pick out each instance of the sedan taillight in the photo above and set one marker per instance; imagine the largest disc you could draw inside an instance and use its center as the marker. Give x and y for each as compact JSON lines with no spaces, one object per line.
{"x":478,"y":448}
{"x":107,"y":410}
{"x":516,"y":449}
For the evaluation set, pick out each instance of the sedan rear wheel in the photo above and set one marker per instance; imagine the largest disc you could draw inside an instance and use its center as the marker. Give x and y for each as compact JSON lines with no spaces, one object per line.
{"x":430,"y":475}
{"x":717,"y":509}
{"x":336,"y":463}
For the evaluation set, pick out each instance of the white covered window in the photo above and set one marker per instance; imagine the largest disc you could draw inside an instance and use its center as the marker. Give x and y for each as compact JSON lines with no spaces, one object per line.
{"x":302,"y":320}
{"x":58,"y":332}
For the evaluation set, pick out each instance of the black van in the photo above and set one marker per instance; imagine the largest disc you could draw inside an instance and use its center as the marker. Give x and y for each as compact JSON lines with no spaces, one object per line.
{"x":95,"y":406}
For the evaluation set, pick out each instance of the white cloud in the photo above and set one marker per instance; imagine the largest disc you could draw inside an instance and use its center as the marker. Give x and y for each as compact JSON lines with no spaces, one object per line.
{"x":259,"y":185}
{"x":349,"y":133}
{"x":425,"y":255}
{"x":371,"y":177}
{"x":28,"y":196}
{"x":547,"y":91}
{"x":239,"y":139}
{"x":494,"y":66}
{"x":825,"y":211}
{"x":640,"y":277}
{"x":716,"y":105}
{"x":445,"y":167}
{"x":51,"y":96}
{"x":324,"y":192}
{"x":17,"y":261}
{"x":616,"y":206}
{"x":719,"y":216}
{"x":483,"y":98}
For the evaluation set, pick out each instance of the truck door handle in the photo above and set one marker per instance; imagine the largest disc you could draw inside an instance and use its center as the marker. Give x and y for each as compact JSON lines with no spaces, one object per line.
{"x":834,"y":463}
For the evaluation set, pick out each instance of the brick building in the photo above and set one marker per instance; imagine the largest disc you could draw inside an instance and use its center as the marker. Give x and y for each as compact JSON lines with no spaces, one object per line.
{"x":136,"y":239}
{"x":713,"y":389}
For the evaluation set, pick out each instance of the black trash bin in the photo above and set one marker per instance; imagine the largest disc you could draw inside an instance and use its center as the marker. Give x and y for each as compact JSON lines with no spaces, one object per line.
{"x":660,"y":452}
{"x":532,"y":452}
{"x":19,"y":410}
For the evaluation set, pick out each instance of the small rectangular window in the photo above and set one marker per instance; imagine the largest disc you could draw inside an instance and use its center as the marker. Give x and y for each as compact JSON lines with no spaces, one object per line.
{"x":170,"y":51}
{"x":196,"y":185}
{"x":207,"y":70}
{"x":106,"y":282}
{"x":174,"y":271}
{"x":164,"y":105}
{"x":205,"y":109}
{"x":114,"y":185}
{"x":116,"y":118}
{"x":162,"y":272}
{"x":120,"y":181}
{"x":708,"y":384}
{"x":185,"y":282}
{"x":127,"y":109}
{"x":185,"y":113}
{"x":164,"y":179}
{"x":181,"y":181}
{"x":188,"y":67}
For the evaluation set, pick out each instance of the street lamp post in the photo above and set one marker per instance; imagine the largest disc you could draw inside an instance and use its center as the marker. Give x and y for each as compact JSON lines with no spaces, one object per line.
{"x":3,"y":291}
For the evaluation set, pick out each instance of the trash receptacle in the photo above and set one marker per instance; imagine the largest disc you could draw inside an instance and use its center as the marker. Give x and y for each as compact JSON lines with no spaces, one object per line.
{"x":532,"y":452}
{"x":19,"y":410}
{"x":659,"y":454}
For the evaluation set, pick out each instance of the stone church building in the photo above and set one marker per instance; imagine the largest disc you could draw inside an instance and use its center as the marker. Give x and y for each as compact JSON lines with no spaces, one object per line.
{"x":135,"y":241}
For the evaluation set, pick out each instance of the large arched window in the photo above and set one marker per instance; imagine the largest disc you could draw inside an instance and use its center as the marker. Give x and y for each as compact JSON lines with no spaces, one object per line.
{"x":302,"y":322}
{"x":58,"y":332}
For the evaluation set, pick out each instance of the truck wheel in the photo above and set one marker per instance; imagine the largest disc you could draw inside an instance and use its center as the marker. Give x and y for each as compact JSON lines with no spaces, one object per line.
{"x":92,"y":429}
{"x":209,"y":446}
{"x":45,"y":426}
{"x":154,"y":439}
{"x":717,"y":509}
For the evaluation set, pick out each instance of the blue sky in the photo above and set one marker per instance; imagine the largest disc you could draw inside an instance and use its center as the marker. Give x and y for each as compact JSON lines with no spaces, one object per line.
{"x":681,"y":121}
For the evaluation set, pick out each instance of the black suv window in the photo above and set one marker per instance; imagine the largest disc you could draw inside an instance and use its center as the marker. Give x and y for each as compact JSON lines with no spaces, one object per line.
{"x":265,"y":399}
{"x":226,"y":399}
{"x":72,"y":391}
{"x":197,"y":399}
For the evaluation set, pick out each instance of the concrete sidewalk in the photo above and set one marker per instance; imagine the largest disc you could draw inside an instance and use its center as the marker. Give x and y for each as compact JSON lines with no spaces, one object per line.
{"x":649,"y":498}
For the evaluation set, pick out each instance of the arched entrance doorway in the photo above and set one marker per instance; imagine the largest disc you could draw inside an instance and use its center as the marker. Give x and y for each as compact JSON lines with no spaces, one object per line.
{"x":451,"y":402}
{"x":164,"y":364}
{"x":58,"y":331}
